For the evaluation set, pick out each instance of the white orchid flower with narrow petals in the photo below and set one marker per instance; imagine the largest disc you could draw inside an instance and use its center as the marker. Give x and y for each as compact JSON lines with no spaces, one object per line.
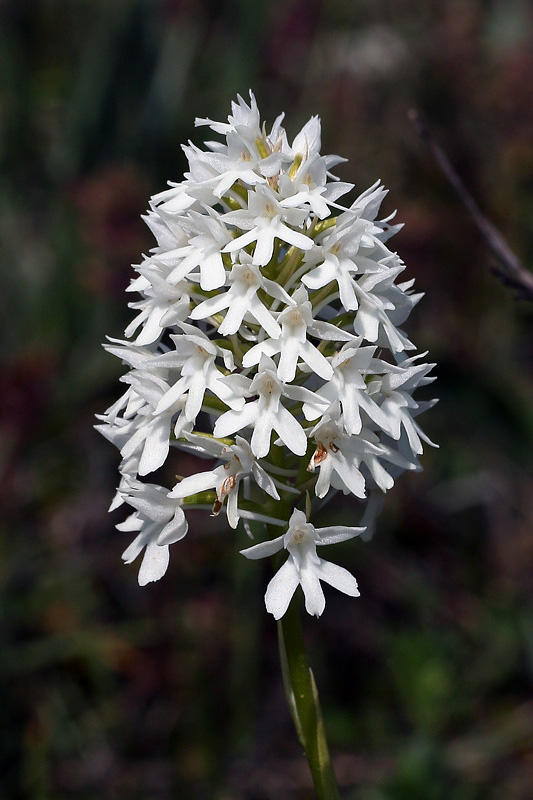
{"x":159,"y":521}
{"x":202,"y":251}
{"x":243,"y":115}
{"x":266,"y":220}
{"x":194,"y":356}
{"x":343,"y":459}
{"x":307,"y":185}
{"x":239,"y":463}
{"x":297,"y":322}
{"x":164,"y":304}
{"x":347,"y":386}
{"x":267,"y":414}
{"x":303,"y":567}
{"x":241,"y":301}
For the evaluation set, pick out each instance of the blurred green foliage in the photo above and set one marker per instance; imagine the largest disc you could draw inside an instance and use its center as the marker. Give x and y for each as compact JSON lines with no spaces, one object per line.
{"x":174,"y":690}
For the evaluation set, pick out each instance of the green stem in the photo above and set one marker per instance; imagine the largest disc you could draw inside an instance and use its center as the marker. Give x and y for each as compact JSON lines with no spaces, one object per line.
{"x":304,"y":703}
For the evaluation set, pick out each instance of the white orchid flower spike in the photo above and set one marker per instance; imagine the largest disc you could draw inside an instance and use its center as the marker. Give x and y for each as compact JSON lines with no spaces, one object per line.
{"x":266,"y":337}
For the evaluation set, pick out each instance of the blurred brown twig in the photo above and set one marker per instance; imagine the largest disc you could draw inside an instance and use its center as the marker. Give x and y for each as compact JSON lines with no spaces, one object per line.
{"x":510,"y":271}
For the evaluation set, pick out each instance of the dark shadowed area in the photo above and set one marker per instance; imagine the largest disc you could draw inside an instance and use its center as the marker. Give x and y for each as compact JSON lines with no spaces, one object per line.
{"x":173,"y":690}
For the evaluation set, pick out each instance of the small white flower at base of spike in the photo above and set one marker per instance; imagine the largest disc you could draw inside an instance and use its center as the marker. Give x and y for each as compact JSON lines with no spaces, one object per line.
{"x":303,"y":567}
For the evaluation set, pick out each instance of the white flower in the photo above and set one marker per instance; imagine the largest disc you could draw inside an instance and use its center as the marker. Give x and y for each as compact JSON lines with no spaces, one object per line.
{"x":373,"y":319}
{"x":241,"y":115}
{"x":164,"y":304}
{"x":296,"y":322}
{"x":159,"y":521}
{"x":347,"y":386}
{"x":140,"y":434}
{"x":307,"y":142}
{"x":339,"y":458}
{"x":307,"y":186}
{"x":337,"y":260}
{"x":303,"y":567}
{"x":207,"y":237}
{"x":226,"y":479}
{"x":398,"y":402}
{"x":194,"y":355}
{"x":241,"y":300}
{"x":243,"y":161}
{"x":266,"y":220}
{"x":164,"y":219}
{"x":268,"y":414}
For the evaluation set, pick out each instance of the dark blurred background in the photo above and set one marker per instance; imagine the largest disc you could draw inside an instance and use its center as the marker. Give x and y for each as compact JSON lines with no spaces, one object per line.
{"x":173,"y":690}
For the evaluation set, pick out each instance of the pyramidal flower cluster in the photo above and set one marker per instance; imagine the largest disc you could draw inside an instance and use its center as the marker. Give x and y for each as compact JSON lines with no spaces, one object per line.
{"x":266,"y":336}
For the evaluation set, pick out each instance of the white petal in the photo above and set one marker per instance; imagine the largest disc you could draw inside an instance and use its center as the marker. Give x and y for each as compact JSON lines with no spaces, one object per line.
{"x":195,"y":396}
{"x":135,"y":442}
{"x":264,"y":549}
{"x":232,"y":509}
{"x":154,"y":564}
{"x":233,"y":319}
{"x":241,"y":241}
{"x":281,"y":589}
{"x":210,"y":306}
{"x":174,"y":530}
{"x":264,"y":317}
{"x":233,"y":421}
{"x":194,"y":484}
{"x":156,"y":508}
{"x":351,"y":410}
{"x":173,"y":394}
{"x":350,"y":475}
{"x":212,"y":273}
{"x":254,"y":515}
{"x":253,"y":356}
{"x":264,"y":247}
{"x":264,"y":480}
{"x":325,"y":330}
{"x":347,"y":291}
{"x":320,"y":276}
{"x":132,"y":551}
{"x":336,"y":533}
{"x":367,"y":322}
{"x":116,"y":502}
{"x":152,"y":328}
{"x":294,"y":237}
{"x":290,"y":350}
{"x":156,"y":446}
{"x":318,"y":362}
{"x":315,"y":601}
{"x":338,"y":577}
{"x":277,"y":291}
{"x":323,"y":483}
{"x":297,"y":518}
{"x":379,"y":473}
{"x":260,"y":442}
{"x":290,"y":432}
{"x":230,"y":389}
{"x":302,"y":395}
{"x":205,"y":444}
{"x":179,"y":272}
{"x":412,"y":434}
